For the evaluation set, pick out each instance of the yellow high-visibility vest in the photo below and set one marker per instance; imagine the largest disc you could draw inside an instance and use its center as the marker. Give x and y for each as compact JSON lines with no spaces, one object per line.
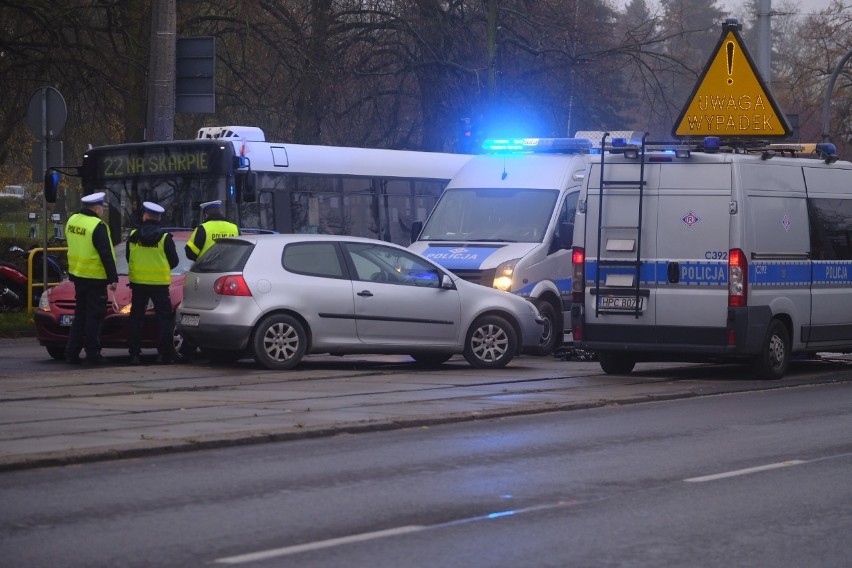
{"x":83,"y":258}
{"x":149,"y":264}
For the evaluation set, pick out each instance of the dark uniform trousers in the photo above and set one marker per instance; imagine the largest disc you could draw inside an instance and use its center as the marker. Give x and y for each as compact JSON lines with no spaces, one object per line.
{"x":159,"y":295}
{"x":90,"y":309}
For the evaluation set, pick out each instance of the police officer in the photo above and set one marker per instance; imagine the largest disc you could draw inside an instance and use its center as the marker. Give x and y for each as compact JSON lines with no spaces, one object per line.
{"x":151,"y":255}
{"x":214,"y":227}
{"x":91,"y":265}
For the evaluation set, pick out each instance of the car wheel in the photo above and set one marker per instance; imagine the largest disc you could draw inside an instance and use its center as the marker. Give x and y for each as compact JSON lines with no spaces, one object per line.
{"x":279,"y":342}
{"x":56,"y":351}
{"x":222,"y":355}
{"x":431,"y":359}
{"x":616,"y":363}
{"x":491,"y":343}
{"x":551,"y":336}
{"x":774,"y":356}
{"x":182,"y":350}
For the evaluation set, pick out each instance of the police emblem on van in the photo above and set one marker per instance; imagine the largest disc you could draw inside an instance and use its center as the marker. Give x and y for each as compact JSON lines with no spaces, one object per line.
{"x":690,"y":219}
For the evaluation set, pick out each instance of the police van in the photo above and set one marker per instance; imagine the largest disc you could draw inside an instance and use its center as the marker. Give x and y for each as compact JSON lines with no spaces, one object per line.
{"x":693,"y":252}
{"x":506,"y":220}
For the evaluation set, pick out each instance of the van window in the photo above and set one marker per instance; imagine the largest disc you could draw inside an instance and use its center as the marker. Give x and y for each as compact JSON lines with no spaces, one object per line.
{"x":831,"y":228}
{"x":497,"y":215}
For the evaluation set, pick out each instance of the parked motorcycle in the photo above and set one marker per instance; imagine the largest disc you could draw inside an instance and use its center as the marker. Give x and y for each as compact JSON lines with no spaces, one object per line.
{"x":13,"y":278}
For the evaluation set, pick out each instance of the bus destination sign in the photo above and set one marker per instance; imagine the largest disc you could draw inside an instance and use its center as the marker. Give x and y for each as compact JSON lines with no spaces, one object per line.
{"x":155,"y":161}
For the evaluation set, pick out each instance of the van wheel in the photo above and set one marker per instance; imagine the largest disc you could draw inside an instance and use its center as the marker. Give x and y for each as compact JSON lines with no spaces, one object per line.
{"x":616,"y":363}
{"x":551,"y":336}
{"x":491,"y":343}
{"x":279,"y":342}
{"x":774,"y":356}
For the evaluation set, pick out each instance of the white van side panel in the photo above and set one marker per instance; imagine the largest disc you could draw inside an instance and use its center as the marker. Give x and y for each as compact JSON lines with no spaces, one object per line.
{"x":830,"y":191}
{"x":776,"y":241}
{"x":693,"y":236}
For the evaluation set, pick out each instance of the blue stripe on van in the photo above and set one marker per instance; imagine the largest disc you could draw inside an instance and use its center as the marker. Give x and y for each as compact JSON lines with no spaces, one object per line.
{"x":761,"y":274}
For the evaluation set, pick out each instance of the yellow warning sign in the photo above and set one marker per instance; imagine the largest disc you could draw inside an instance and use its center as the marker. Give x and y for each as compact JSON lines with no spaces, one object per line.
{"x":730,"y":100}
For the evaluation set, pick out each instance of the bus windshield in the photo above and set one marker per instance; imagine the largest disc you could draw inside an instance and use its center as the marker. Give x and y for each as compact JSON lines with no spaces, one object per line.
{"x":179,"y":175}
{"x":180,"y":196}
{"x":491,"y":215}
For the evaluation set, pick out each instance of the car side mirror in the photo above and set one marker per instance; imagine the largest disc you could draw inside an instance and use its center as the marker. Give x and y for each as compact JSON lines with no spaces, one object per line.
{"x":446,"y":282}
{"x":566,"y":235}
{"x":416,"y":228}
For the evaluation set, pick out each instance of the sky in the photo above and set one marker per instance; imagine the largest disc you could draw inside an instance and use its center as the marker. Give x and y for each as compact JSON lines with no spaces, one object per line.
{"x":734,"y":6}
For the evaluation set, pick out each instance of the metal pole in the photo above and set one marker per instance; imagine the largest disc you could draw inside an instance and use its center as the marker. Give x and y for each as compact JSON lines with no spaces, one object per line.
{"x":826,"y":105}
{"x":764,"y":42}
{"x":45,"y":142}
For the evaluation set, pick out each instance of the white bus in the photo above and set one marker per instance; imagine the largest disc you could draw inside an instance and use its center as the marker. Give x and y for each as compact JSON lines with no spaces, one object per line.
{"x":298,"y":188}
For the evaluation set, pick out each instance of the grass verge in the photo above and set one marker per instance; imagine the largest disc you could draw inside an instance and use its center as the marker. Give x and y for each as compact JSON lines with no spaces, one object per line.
{"x":16,"y":324}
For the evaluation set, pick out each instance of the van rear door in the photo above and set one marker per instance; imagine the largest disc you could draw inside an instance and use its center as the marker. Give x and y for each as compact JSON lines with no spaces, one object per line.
{"x":613,"y":280}
{"x":693,"y":236}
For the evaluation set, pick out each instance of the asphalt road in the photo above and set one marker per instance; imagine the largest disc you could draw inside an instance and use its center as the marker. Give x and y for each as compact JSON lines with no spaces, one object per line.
{"x":52,"y":413}
{"x":755,"y":478}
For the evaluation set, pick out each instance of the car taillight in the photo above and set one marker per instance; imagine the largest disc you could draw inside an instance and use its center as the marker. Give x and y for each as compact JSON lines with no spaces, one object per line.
{"x":578,"y":284}
{"x":233,"y":285}
{"x":737,"y":279}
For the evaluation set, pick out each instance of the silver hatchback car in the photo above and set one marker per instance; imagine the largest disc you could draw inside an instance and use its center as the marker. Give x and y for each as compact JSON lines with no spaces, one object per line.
{"x":280,"y":297}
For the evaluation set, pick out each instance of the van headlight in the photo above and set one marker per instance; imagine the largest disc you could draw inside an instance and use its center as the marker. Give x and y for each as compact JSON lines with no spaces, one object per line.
{"x":503,"y":275}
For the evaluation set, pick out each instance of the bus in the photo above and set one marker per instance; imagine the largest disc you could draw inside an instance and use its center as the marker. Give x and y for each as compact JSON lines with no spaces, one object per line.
{"x":269,"y":186}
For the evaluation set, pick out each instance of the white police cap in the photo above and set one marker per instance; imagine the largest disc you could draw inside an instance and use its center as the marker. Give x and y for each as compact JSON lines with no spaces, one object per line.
{"x":94,"y":199}
{"x":211,"y":204}
{"x":154,"y":208}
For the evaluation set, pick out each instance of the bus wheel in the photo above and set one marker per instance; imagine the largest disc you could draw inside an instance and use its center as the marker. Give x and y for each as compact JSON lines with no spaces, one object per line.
{"x":551,"y":336}
{"x":774,"y":356}
{"x":616,"y":363}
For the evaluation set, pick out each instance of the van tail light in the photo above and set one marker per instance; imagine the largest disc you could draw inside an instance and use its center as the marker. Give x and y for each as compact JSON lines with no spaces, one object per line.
{"x":737,"y":279}
{"x":233,"y":285}
{"x":578,"y":284}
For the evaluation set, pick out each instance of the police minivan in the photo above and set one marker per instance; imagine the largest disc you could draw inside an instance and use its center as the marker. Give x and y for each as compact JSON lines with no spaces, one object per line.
{"x":702,"y":252}
{"x":506,"y":220}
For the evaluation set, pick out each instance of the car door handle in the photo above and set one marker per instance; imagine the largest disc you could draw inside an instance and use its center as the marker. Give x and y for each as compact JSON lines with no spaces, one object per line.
{"x":365,"y":293}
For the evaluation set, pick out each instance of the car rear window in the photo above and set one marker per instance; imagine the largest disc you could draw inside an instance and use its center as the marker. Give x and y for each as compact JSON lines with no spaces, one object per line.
{"x":225,"y":256}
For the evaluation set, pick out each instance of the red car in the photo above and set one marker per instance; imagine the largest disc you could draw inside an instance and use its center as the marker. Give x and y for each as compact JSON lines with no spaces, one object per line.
{"x":55,"y":311}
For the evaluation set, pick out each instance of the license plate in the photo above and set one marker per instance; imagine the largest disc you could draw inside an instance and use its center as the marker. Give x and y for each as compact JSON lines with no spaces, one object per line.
{"x":66,"y":320}
{"x":619,"y":303}
{"x":190,"y":320}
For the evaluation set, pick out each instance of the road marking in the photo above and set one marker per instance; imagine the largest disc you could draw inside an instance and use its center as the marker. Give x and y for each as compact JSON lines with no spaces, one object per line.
{"x":745,"y":471}
{"x":320,"y":544}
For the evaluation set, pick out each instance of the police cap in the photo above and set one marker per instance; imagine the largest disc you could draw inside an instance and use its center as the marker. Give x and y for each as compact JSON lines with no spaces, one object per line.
{"x":153,"y":208}
{"x":211,"y":205}
{"x":94,"y":199}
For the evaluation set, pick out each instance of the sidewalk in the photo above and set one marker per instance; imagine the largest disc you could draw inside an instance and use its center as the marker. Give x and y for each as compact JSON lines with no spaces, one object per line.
{"x":52,"y":413}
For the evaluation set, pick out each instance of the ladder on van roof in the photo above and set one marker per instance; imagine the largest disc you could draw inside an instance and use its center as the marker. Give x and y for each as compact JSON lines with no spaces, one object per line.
{"x":635,"y":264}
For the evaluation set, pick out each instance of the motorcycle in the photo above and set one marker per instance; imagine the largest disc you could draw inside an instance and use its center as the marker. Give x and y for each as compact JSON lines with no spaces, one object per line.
{"x":13,"y":278}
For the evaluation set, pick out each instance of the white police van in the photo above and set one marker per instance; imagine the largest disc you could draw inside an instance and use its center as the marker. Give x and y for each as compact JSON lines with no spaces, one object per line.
{"x":701,"y":252}
{"x":506,"y":220}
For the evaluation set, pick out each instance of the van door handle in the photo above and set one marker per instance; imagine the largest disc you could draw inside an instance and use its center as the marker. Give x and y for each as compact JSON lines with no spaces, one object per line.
{"x":674,"y":272}
{"x":365,"y":293}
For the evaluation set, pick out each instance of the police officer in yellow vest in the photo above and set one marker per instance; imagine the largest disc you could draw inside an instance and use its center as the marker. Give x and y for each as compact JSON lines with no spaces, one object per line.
{"x":91,"y":265}
{"x":151,"y":255}
{"x":214,"y":227}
